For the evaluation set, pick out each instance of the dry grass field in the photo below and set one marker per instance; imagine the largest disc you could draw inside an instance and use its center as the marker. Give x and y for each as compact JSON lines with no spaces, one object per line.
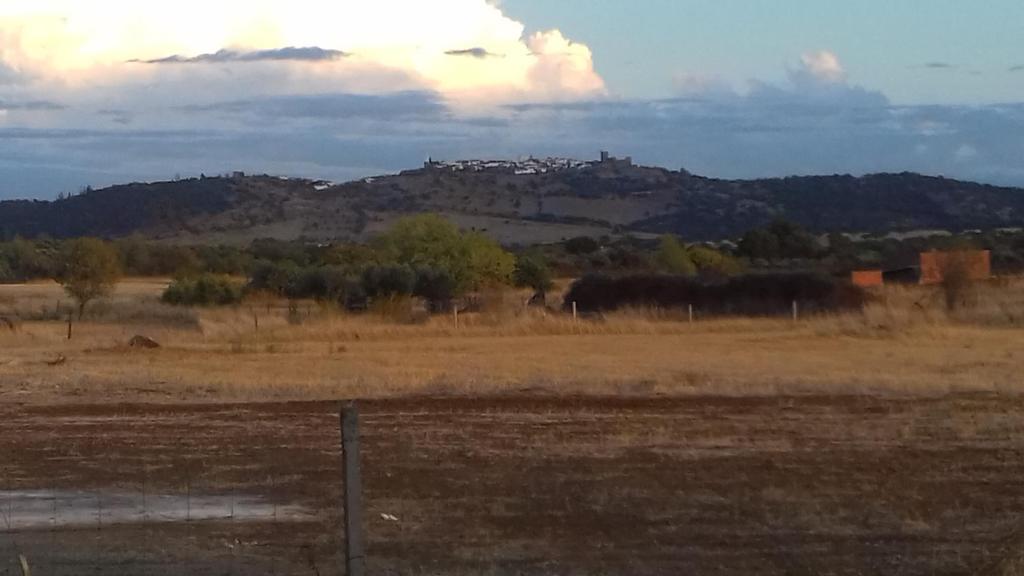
{"x":882,"y":442}
{"x":903,"y":344}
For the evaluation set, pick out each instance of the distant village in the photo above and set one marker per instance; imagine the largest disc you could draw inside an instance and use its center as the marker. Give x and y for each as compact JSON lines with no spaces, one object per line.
{"x":529,"y":166}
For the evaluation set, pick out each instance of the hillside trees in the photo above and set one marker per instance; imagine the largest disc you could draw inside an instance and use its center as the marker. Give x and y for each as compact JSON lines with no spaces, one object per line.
{"x":779,"y":240}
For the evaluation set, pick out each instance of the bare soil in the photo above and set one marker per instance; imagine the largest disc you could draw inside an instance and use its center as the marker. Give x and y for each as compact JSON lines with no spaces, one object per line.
{"x":535,"y":485}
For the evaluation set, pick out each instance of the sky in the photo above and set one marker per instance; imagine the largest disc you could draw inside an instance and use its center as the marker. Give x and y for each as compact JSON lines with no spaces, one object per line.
{"x":111,"y":91}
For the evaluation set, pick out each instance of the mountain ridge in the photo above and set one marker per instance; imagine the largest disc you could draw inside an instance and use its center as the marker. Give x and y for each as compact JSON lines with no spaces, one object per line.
{"x":517,"y":203}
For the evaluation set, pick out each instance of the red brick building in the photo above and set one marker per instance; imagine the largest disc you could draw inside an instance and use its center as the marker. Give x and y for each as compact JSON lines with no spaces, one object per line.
{"x":975,"y":264}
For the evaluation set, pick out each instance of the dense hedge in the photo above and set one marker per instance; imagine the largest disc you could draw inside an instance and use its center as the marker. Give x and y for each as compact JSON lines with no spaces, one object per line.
{"x":753,"y":294}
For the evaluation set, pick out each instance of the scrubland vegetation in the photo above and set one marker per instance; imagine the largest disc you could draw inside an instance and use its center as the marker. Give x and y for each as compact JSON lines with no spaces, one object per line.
{"x":428,"y":309}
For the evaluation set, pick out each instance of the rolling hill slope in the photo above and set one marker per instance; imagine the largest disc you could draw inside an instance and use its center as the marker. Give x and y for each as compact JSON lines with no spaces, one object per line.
{"x":596,"y":199}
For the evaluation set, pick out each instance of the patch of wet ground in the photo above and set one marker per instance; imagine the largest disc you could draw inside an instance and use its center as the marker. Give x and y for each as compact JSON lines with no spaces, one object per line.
{"x":719,"y":486}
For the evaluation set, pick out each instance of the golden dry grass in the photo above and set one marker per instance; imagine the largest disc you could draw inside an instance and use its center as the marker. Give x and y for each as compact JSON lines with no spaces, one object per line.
{"x":904,"y":344}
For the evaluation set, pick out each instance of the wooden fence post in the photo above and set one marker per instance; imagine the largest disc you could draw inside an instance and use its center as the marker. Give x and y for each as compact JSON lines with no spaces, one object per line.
{"x":355,"y":557}
{"x":691,"y":313}
{"x":796,"y":311}
{"x":71,"y":317}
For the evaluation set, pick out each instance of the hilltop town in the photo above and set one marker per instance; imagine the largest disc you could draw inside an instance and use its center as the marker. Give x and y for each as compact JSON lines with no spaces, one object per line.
{"x":527,"y":167}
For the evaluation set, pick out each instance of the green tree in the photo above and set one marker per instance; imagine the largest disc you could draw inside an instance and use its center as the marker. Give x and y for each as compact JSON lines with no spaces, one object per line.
{"x":6,"y":273}
{"x":90,"y":268}
{"x":30,"y":259}
{"x":389,"y":281}
{"x":673,"y":257}
{"x":136,"y":258}
{"x":760,"y":243}
{"x":533,"y":272}
{"x":489,"y":263}
{"x":430,"y":241}
{"x":794,"y":240}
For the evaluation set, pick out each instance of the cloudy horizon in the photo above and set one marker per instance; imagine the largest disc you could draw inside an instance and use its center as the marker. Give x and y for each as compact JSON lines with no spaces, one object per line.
{"x":110,"y":91}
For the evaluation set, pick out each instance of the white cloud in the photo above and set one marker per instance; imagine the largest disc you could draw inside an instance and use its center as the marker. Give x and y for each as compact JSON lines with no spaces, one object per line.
{"x":824,"y":66}
{"x":85,"y":44}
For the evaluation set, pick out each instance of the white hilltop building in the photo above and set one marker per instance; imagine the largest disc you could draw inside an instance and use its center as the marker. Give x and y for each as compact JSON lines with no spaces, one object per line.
{"x":530,"y":165}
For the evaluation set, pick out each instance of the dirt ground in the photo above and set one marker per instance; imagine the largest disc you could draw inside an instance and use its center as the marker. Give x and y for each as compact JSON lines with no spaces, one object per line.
{"x":843,"y":485}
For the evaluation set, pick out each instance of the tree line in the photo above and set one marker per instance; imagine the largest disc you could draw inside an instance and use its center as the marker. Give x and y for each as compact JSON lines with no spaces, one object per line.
{"x":428,"y":257}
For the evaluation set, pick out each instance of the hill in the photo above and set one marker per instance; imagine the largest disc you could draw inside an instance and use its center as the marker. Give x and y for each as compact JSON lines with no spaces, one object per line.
{"x":529,"y":202}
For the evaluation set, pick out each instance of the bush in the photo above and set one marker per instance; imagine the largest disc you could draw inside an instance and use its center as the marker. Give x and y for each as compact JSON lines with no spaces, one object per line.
{"x":205,"y":290}
{"x":756,"y":294}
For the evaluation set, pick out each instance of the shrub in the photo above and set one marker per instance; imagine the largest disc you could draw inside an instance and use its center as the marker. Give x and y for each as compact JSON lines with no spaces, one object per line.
{"x":204,"y":290}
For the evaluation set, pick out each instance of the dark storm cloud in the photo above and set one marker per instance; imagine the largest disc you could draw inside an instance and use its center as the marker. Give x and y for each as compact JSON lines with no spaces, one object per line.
{"x":804,"y":126}
{"x":31,"y":105}
{"x":480,"y":53}
{"x":755,"y":136}
{"x":378,"y":106}
{"x":288,"y":54}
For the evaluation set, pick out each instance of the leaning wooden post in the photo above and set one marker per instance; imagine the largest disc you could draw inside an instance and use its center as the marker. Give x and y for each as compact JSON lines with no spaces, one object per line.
{"x":355,"y":557}
{"x":796,"y":311}
{"x":575,"y":312}
{"x":25,"y":570}
{"x":455,"y":313}
{"x":71,"y":318}
{"x":691,"y":313}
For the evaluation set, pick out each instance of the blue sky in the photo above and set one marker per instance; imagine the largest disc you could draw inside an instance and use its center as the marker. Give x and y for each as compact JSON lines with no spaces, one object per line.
{"x":110,"y":91}
{"x":888,"y":45}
